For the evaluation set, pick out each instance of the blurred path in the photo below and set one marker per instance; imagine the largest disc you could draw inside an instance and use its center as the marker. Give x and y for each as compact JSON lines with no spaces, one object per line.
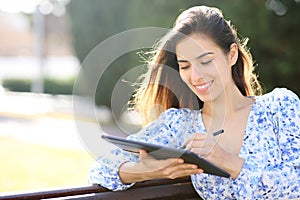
{"x":44,"y":119}
{"x":40,"y":143}
{"x":13,"y":67}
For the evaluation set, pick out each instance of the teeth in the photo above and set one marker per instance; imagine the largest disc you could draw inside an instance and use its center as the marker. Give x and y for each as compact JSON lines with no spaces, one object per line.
{"x":203,"y":86}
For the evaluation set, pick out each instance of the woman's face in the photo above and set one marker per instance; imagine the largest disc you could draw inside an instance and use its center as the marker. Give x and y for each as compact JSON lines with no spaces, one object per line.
{"x":204,"y":67}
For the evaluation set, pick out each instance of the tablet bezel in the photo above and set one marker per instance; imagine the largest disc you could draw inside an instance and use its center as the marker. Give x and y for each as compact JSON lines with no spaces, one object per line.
{"x":163,"y":152}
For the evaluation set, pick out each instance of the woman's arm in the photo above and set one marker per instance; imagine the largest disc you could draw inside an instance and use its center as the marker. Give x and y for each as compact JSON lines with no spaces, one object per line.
{"x":105,"y":169}
{"x":150,"y":168}
{"x":118,"y":170}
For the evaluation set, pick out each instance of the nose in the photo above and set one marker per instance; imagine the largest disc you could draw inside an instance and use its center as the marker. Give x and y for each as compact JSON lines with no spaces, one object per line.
{"x":196,"y":74}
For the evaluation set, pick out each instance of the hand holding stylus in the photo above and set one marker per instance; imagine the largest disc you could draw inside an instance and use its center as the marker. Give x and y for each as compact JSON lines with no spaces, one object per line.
{"x":214,"y":134}
{"x":202,"y":143}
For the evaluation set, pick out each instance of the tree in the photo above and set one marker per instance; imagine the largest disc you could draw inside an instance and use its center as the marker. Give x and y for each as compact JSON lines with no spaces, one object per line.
{"x":94,"y":21}
{"x":273,"y":32}
{"x":274,"y":37}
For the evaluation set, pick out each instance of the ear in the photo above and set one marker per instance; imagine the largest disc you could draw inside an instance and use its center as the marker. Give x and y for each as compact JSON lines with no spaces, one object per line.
{"x":233,"y":54}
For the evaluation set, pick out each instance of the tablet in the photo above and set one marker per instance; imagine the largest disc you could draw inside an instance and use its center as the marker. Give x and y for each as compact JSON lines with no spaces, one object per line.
{"x":162,"y":152}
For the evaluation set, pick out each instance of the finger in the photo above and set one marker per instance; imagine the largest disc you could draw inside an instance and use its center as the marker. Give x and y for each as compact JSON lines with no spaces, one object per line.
{"x":195,"y":144}
{"x":199,"y":151}
{"x":195,"y":136}
{"x":142,"y":151}
{"x":157,"y":164}
{"x":170,"y":162}
{"x":189,"y":139}
{"x":182,"y":170}
{"x":200,"y":136}
{"x":144,"y":156}
{"x":186,"y":172}
{"x":202,"y":151}
{"x":164,"y":165}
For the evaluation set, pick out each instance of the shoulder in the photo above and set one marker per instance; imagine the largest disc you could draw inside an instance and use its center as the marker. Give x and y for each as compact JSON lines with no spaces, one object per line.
{"x":280,"y":96}
{"x":178,"y":114}
{"x":172,"y":116}
{"x":280,"y":102}
{"x":177,"y":119}
{"x":283,"y":94}
{"x":177,"y":111}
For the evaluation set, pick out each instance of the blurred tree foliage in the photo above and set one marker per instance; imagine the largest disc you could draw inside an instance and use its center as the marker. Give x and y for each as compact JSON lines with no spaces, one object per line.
{"x":51,"y":86}
{"x":271,"y":25}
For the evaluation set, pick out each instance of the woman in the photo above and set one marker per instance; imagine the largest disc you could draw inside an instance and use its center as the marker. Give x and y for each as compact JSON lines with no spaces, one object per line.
{"x":201,"y":80}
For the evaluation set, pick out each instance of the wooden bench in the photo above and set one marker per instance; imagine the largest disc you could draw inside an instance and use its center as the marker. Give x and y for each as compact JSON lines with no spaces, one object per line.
{"x":180,"y":188}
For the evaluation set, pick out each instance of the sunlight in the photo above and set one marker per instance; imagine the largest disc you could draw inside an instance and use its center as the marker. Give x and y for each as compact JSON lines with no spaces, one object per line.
{"x":57,"y":7}
{"x":16,"y":6}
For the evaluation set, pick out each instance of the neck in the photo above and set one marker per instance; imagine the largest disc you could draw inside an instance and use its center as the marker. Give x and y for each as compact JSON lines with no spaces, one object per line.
{"x":227,"y":104}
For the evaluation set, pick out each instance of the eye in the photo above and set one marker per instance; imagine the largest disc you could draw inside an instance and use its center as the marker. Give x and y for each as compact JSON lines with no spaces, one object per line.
{"x":205,"y":62}
{"x":184,"y":67}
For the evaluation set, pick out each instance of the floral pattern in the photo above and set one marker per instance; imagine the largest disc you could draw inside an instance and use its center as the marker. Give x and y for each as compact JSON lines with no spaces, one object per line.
{"x":271,"y":149}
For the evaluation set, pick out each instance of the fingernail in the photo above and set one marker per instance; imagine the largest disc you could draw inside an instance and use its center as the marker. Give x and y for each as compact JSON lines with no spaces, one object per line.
{"x":142,"y":152}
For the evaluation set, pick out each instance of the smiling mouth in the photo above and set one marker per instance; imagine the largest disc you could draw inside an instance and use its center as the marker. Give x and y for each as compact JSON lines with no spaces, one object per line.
{"x":203,"y":87}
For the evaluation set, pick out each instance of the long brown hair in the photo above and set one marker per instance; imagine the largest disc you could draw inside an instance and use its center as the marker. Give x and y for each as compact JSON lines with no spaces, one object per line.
{"x":162,"y":87}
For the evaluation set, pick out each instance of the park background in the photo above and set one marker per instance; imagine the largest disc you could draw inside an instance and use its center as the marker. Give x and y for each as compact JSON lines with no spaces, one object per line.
{"x":41,"y":51}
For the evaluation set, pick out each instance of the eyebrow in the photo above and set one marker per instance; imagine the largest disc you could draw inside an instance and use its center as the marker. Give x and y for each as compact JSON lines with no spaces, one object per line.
{"x":198,"y":57}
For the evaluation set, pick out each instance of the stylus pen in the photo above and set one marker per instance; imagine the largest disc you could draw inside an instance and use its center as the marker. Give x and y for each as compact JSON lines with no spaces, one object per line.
{"x":214,"y":134}
{"x":218,"y":132}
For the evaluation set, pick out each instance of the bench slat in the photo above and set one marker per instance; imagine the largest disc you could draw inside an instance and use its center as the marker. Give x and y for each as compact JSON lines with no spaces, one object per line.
{"x":180,"y":188}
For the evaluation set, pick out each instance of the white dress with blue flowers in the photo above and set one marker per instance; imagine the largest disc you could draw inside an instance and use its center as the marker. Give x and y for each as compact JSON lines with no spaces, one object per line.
{"x":271,"y":149}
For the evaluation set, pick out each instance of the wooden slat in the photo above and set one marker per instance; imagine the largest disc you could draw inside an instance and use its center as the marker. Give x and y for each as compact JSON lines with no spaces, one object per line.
{"x":55,"y":193}
{"x":167,"y":192}
{"x":155,"y":189}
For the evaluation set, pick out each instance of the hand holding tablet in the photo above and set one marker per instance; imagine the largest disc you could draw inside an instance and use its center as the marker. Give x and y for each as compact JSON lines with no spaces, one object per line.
{"x":162,"y":152}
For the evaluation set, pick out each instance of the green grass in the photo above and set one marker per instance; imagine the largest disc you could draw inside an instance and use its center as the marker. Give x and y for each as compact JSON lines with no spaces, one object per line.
{"x":26,"y":166}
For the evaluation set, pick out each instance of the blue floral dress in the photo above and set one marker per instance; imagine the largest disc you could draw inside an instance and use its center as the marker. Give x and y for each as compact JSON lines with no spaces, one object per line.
{"x":271,"y":149}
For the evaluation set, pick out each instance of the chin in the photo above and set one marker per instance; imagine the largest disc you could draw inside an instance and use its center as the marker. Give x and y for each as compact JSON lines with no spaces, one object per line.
{"x":205,"y":98}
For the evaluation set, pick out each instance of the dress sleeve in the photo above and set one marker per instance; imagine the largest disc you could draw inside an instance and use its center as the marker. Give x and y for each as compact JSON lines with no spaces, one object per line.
{"x":280,"y":180}
{"x":105,"y":169}
{"x":163,"y":131}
